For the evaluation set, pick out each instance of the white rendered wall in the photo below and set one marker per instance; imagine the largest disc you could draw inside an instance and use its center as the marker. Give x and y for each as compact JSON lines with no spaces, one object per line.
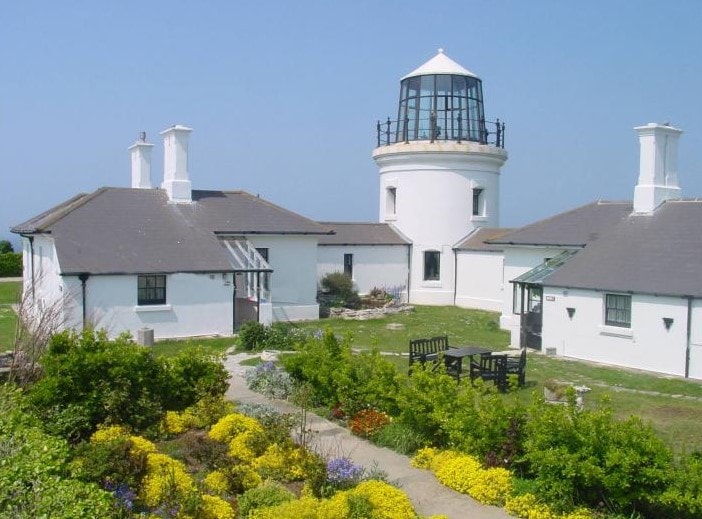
{"x":696,"y":340}
{"x":294,"y":280}
{"x":646,"y":345}
{"x":479,"y":280}
{"x":517,"y":261}
{"x":434,"y":185}
{"x":373,"y":266}
{"x":196,"y":304}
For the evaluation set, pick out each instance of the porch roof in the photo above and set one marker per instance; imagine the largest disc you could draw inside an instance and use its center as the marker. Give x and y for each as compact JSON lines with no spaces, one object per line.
{"x":539,"y":273}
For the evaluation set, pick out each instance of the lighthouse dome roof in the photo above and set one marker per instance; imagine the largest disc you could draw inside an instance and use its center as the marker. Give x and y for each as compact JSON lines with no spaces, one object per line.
{"x":440,"y":64}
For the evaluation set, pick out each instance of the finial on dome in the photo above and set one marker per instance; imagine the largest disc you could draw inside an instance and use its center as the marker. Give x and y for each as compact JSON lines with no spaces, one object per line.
{"x":441,"y":51}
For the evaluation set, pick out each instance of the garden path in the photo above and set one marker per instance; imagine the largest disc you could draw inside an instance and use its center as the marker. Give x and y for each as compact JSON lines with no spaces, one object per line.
{"x":331,"y":440}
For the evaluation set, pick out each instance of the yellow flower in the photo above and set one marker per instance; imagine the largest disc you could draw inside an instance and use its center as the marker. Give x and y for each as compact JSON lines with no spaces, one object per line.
{"x":424,"y":457}
{"x":216,"y":481}
{"x":388,"y":502}
{"x":165,"y":479}
{"x":215,"y":508}
{"x":141,"y":446}
{"x":109,"y":433}
{"x":173,"y":423}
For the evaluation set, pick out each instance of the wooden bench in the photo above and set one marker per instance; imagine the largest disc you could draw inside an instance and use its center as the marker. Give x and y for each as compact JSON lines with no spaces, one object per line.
{"x":427,"y":350}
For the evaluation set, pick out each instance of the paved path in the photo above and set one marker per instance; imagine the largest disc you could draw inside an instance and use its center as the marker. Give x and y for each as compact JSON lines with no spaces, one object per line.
{"x":427,"y":494}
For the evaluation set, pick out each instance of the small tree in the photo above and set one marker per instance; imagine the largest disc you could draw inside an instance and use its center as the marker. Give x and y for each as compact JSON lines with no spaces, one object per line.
{"x":6,"y":247}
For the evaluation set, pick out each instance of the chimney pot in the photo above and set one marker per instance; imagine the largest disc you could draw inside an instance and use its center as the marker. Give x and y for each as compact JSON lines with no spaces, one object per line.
{"x":141,"y":163}
{"x":176,"y":178}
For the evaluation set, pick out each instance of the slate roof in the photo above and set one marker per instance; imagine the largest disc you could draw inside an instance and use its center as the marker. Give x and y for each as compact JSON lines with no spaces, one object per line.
{"x":476,"y":240}
{"x":575,"y":228}
{"x":128,"y":231}
{"x":350,"y":233}
{"x":651,"y":254}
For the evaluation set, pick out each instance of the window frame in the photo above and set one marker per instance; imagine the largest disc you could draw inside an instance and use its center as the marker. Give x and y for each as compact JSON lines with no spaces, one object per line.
{"x":427,"y":274}
{"x":348,"y":264}
{"x":143,"y":292}
{"x":622,"y":314}
{"x":478,"y":200}
{"x":391,"y":201}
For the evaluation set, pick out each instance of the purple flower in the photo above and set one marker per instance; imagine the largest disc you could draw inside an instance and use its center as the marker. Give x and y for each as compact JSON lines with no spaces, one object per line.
{"x":342,"y":472}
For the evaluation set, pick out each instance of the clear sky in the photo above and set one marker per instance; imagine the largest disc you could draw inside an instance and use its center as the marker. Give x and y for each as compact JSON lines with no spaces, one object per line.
{"x":283,"y":96}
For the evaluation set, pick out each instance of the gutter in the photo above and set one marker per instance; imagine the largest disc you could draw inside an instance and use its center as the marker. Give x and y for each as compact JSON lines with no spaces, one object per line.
{"x":455,"y":276}
{"x":83,"y":279}
{"x":31,"y":261}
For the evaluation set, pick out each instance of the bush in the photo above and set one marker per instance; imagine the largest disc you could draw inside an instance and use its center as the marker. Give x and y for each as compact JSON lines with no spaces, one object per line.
{"x":6,"y":247}
{"x":193,"y":375}
{"x":252,"y":336}
{"x":400,"y":438}
{"x":337,"y":290}
{"x":90,"y":380}
{"x":33,"y":468}
{"x":268,"y":494}
{"x":367,"y":422}
{"x":10,"y":265}
{"x":589,"y":457}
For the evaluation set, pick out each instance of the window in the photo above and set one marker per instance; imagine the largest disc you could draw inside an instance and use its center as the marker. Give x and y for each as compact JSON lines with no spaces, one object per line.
{"x":391,"y":200}
{"x":151,"y":290}
{"x":348,"y":265}
{"x":618,"y":310}
{"x":477,"y":201}
{"x":263,"y":251}
{"x":432,"y":261}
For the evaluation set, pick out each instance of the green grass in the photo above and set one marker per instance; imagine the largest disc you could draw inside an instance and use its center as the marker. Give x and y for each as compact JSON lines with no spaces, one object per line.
{"x":214,"y":345}
{"x":9,"y":292}
{"x":463,"y":327}
{"x":8,"y":322}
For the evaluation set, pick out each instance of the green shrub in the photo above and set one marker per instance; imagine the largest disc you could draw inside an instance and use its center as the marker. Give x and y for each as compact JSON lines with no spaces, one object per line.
{"x":423,"y":400}
{"x":589,"y":457}
{"x":193,"y":375}
{"x":89,"y":380}
{"x":252,"y":336}
{"x":682,"y":498}
{"x":268,"y":494}
{"x":337,"y":290}
{"x":10,"y":265}
{"x":33,"y":470}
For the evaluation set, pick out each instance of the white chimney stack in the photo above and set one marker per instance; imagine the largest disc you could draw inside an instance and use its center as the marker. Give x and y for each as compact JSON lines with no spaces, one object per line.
{"x":176,"y":179}
{"x":658,"y":167}
{"x":141,"y":163}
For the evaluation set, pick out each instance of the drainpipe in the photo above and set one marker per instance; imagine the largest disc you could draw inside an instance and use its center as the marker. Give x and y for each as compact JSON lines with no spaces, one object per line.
{"x":409,"y":271}
{"x":689,"y":337}
{"x":83,"y":279}
{"x":31,"y":262}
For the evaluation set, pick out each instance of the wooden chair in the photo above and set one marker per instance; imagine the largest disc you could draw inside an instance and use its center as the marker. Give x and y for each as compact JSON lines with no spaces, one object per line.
{"x":490,"y":367}
{"x":517,"y":366}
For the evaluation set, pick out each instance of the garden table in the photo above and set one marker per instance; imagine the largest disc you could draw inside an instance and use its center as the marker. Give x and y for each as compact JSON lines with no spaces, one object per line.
{"x":453,"y":357}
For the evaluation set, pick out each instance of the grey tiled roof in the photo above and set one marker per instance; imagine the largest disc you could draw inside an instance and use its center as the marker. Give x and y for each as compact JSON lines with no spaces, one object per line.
{"x":652,"y":254}
{"x":121,"y":231}
{"x":362,"y":234}
{"x":574,"y":228}
{"x":476,"y":240}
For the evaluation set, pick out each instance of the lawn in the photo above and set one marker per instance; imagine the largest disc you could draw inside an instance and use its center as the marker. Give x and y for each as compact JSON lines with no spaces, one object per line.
{"x":9,"y":294}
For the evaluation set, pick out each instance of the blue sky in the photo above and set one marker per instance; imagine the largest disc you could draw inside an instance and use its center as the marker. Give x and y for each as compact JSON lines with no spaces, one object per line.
{"x":283,"y":96}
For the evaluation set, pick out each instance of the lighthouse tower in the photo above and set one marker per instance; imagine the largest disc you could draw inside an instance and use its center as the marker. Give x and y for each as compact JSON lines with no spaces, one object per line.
{"x":439,"y":171}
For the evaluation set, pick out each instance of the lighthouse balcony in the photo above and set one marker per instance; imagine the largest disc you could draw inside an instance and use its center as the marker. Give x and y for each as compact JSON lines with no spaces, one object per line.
{"x":437,"y":129}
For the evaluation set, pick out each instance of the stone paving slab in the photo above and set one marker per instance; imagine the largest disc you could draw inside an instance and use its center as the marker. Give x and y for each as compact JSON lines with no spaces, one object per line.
{"x":329,"y":439}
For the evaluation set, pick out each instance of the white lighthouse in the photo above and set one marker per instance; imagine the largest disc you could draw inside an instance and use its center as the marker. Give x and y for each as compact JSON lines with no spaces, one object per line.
{"x":439,"y":171}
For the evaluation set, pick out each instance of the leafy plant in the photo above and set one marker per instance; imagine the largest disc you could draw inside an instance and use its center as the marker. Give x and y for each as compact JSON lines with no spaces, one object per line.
{"x":268,"y":494}
{"x":368,"y":421}
{"x":270,"y":381}
{"x":252,"y":336}
{"x":337,"y":290}
{"x":10,"y":264}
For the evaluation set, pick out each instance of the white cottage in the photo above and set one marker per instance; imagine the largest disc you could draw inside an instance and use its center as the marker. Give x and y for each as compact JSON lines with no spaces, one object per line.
{"x":615,"y":282}
{"x":181,"y":262}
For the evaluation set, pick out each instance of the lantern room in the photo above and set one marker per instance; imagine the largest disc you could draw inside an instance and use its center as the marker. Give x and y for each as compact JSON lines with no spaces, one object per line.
{"x":441,"y":101}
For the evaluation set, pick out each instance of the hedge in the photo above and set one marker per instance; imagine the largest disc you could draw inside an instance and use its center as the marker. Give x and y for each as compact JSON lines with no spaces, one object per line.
{"x":10,"y":264}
